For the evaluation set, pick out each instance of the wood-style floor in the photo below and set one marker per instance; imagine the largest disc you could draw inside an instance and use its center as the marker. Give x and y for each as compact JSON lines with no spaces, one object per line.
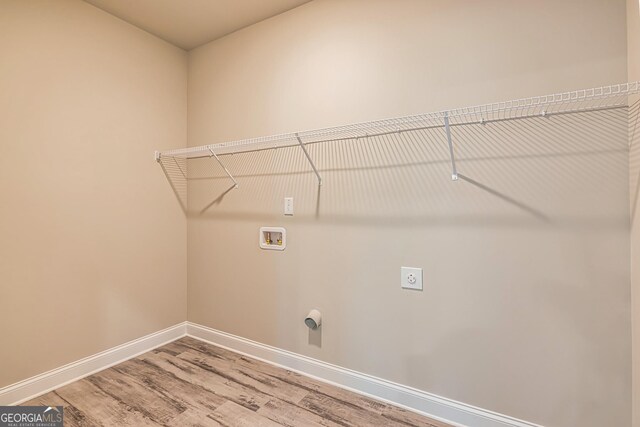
{"x":191,"y":383}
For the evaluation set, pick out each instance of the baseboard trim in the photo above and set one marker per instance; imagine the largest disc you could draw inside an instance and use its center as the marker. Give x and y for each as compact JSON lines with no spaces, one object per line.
{"x":35,"y":386}
{"x":446,"y":410}
{"x":437,"y":407}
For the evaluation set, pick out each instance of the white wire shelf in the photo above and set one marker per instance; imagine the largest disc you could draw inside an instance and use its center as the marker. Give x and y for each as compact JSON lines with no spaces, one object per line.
{"x":576,"y":101}
{"x":605,"y":97}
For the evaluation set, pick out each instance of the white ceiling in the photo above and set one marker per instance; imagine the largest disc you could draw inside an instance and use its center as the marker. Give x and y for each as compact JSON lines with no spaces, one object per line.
{"x":191,"y":23}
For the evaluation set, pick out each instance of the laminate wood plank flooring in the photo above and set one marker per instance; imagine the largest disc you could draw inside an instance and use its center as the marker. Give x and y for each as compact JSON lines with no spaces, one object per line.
{"x":192,"y":383}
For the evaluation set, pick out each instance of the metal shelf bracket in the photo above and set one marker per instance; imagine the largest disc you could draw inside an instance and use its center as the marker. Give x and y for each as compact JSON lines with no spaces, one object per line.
{"x":304,"y":149}
{"x":447,"y":128}
{"x":224,"y":167}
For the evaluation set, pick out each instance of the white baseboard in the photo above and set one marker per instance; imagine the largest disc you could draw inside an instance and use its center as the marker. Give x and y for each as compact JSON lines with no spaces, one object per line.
{"x":35,"y":386}
{"x":437,"y":407}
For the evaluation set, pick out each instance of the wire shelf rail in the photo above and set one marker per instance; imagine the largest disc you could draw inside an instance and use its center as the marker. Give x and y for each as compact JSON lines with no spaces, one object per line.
{"x":594,"y":99}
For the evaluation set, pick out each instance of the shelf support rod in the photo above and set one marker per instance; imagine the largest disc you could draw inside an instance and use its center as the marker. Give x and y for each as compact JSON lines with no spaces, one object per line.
{"x":224,"y":167}
{"x":447,"y":128}
{"x":304,"y":149}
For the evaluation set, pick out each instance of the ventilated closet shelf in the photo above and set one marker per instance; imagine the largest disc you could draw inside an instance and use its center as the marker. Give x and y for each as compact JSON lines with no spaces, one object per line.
{"x":601,"y":98}
{"x":560,"y":103}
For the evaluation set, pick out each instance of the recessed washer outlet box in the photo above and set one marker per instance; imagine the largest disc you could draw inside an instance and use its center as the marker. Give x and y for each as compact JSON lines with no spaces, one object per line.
{"x":273,"y":238}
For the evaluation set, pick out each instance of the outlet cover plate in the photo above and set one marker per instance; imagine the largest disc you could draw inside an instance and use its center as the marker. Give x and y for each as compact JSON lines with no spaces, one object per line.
{"x":411,"y":278}
{"x":288,"y":206}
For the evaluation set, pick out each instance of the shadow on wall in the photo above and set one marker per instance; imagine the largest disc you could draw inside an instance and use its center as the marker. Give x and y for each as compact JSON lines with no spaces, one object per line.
{"x":175,"y":169}
{"x":526,"y":255}
{"x":540,"y":171}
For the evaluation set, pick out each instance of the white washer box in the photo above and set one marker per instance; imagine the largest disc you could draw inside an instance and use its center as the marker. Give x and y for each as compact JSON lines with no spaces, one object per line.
{"x":273,"y":238}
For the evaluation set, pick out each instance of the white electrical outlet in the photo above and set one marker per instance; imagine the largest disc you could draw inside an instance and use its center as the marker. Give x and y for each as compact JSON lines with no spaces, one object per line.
{"x":288,"y":205}
{"x":411,"y":278}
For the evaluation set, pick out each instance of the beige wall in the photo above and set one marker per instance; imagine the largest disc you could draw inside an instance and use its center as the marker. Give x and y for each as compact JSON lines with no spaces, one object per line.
{"x":92,"y":243}
{"x":526,"y":303}
{"x":633,"y":48}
